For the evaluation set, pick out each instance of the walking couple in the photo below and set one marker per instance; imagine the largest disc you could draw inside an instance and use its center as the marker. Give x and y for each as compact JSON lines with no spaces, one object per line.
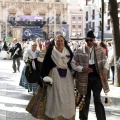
{"x":57,"y":101}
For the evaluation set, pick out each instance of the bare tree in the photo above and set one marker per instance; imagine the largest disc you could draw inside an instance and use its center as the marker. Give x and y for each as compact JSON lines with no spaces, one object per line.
{"x":116,"y":37}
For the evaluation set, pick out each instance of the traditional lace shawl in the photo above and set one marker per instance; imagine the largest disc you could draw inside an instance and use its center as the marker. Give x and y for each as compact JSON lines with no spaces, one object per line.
{"x":60,"y":59}
{"x":32,"y":55}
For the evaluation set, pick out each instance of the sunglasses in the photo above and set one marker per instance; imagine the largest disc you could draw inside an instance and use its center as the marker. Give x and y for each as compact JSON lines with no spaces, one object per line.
{"x":87,"y":40}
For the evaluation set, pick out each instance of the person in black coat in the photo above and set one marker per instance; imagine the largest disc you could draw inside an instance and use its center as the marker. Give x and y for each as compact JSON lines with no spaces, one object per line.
{"x":5,"y":47}
{"x":16,"y":51}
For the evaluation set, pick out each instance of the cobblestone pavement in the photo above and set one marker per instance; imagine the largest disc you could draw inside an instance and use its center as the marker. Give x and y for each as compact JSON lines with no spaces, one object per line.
{"x":13,"y":98}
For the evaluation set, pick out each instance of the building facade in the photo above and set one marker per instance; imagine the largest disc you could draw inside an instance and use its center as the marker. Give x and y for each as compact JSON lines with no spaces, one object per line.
{"x":76,"y":19}
{"x":55,"y":13}
{"x":93,"y":14}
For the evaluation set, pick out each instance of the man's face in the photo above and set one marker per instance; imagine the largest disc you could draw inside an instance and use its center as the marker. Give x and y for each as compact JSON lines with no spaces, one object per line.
{"x":90,"y":42}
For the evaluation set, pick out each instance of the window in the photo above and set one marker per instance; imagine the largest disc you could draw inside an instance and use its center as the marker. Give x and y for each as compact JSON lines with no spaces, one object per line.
{"x":108,"y":25}
{"x":86,"y":26}
{"x":93,"y":14}
{"x":79,"y":26}
{"x":73,"y":18}
{"x":87,"y":1}
{"x":86,"y":16}
{"x":79,"y":18}
{"x":108,"y":22}
{"x":100,"y":13}
{"x":73,"y":26}
{"x":100,"y":24}
{"x":93,"y":26}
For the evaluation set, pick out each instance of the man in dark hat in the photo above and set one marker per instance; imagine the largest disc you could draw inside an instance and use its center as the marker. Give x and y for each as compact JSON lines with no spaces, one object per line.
{"x":90,"y":63}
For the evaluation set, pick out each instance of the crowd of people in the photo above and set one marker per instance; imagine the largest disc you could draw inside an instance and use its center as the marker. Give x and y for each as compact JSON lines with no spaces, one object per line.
{"x":55,"y":70}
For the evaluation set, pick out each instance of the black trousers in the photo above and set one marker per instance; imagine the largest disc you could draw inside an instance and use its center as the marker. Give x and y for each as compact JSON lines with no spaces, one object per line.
{"x":14,"y":64}
{"x":94,"y":84}
{"x":112,"y":69}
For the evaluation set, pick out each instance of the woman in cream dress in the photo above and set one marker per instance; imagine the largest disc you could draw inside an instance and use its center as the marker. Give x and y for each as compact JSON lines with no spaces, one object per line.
{"x":60,"y":99}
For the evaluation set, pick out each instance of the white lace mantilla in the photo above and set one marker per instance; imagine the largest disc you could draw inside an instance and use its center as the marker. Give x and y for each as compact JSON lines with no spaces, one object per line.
{"x":60,"y":58}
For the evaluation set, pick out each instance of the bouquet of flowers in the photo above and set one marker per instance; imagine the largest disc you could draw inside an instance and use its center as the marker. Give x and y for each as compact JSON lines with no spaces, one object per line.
{"x":28,"y":64}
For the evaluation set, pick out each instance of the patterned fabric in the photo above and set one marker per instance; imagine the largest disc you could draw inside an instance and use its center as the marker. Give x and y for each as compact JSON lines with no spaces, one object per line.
{"x":82,"y":57}
{"x":60,"y":58}
{"x":36,"y":106}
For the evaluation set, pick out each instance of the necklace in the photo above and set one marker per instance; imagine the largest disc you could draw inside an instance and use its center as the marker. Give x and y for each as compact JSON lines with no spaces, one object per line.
{"x":90,"y":53}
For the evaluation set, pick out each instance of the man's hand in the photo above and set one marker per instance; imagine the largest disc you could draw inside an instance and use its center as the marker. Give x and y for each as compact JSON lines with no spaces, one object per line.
{"x":87,"y":70}
{"x":104,"y":74}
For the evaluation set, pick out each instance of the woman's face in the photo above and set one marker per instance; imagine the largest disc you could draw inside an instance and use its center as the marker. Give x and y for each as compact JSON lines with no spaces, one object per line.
{"x":59,"y":42}
{"x":34,"y":47}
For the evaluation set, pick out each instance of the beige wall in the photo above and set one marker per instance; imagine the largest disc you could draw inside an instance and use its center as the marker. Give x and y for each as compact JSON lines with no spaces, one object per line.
{"x":49,"y":9}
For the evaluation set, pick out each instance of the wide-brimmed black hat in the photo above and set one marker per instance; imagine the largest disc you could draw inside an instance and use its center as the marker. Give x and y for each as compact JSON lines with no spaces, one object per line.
{"x":90,"y":35}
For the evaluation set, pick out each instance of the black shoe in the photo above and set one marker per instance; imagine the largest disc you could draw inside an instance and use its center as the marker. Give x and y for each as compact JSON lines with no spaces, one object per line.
{"x":14,"y":72}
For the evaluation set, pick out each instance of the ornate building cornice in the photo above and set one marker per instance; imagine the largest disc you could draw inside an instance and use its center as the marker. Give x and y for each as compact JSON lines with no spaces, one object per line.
{"x":12,"y":11}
